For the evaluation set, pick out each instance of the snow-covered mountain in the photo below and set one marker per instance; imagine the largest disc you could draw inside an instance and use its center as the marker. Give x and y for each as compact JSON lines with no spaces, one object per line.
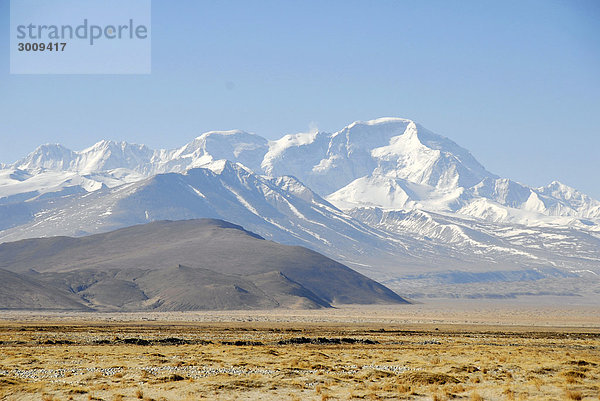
{"x":109,"y":155}
{"x":391,"y":147}
{"x":384,"y":244}
{"x":104,"y":155}
{"x":390,"y":163}
{"x":280,"y":208}
{"x":397,"y":164}
{"x":387,"y":197}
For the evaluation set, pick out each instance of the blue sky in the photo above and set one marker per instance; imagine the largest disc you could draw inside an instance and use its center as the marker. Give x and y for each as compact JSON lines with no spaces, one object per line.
{"x":515,"y":82}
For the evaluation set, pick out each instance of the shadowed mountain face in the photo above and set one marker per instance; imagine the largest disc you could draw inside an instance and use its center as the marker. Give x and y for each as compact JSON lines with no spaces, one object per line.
{"x":186,"y":265}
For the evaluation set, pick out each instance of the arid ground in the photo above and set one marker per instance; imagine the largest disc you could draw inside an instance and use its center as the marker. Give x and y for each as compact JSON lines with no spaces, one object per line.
{"x":469,"y":351}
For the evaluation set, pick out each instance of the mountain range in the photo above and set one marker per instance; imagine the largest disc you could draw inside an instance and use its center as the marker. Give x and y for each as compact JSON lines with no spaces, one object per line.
{"x":387,"y":197}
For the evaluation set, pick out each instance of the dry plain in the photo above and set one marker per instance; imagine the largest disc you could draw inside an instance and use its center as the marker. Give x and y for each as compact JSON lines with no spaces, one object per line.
{"x":434,"y":351}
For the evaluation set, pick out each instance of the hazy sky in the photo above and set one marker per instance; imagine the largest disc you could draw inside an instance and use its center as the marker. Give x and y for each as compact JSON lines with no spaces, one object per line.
{"x":515,"y":82}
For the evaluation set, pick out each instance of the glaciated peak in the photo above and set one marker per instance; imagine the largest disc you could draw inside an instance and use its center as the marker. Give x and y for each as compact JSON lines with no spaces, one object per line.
{"x":235,"y":145}
{"x":381,"y":121}
{"x":558,"y":186}
{"x":218,"y":139}
{"x":107,"y":155}
{"x":394,"y":147}
{"x":47,"y":156}
{"x":102,"y":144}
{"x":224,"y":166}
{"x":405,"y":143}
{"x":372,"y":133}
{"x":294,"y":148}
{"x":121,"y":146}
{"x":571,"y":196}
{"x":51,"y":150}
{"x":299,"y":139}
{"x":225,"y":133}
{"x":50,"y":146}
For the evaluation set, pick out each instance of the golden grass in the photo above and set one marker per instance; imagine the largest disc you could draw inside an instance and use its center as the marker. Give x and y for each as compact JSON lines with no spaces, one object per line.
{"x":423,"y":377}
{"x":574,"y":395}
{"x":476,"y":397}
{"x":94,"y":362}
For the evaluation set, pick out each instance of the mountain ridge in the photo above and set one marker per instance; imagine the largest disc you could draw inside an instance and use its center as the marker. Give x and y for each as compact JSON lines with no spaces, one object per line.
{"x":362,"y":157}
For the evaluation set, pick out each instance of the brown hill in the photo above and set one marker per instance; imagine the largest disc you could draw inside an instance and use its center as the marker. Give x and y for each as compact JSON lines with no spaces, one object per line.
{"x":189,"y":265}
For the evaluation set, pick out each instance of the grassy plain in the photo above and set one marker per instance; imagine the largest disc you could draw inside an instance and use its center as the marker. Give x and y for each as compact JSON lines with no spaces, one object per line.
{"x":351,"y":353}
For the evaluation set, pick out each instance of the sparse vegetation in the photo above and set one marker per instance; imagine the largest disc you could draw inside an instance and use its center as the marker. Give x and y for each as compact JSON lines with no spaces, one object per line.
{"x":295,"y":361}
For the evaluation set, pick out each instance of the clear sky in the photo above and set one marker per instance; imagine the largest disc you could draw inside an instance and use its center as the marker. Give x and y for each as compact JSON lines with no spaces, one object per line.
{"x":515,"y":82}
